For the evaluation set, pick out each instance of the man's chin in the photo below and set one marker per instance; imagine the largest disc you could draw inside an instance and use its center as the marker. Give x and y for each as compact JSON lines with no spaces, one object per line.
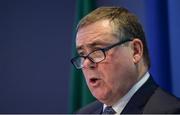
{"x":102,"y":97}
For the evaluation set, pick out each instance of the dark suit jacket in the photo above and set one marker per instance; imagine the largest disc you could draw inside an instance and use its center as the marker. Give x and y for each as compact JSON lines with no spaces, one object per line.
{"x":149,"y":99}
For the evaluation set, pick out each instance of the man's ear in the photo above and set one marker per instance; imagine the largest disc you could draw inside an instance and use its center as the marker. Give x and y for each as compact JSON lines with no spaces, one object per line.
{"x":137,"y":48}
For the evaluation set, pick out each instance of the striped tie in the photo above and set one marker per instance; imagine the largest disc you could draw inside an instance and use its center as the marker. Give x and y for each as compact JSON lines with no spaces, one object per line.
{"x":109,"y":110}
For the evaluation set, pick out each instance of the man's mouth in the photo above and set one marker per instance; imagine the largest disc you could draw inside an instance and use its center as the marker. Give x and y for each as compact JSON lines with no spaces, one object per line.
{"x":94,"y":81}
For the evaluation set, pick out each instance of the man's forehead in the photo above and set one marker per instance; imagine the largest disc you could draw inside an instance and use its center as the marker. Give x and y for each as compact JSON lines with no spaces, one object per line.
{"x":96,"y":28}
{"x":95,"y":34}
{"x":103,"y":39}
{"x":95,"y":42}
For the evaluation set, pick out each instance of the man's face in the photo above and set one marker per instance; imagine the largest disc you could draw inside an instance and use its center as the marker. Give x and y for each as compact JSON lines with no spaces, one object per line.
{"x":110,"y":79}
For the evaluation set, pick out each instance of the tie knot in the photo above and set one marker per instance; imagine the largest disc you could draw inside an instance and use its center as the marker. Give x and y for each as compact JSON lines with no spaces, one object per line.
{"x":109,"y":110}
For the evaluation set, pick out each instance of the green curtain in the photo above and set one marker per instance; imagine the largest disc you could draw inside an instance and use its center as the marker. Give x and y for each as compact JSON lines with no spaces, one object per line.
{"x":79,"y":92}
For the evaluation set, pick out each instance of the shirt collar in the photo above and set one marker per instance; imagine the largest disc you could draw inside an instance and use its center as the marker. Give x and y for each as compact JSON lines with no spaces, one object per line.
{"x":119,"y":106}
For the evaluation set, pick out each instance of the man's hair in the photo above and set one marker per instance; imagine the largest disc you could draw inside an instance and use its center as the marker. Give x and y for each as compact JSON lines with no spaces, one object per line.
{"x":125,"y":24}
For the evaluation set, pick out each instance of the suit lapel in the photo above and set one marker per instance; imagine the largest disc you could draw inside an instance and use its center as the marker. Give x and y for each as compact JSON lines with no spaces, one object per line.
{"x":140,"y":98}
{"x":99,"y":108}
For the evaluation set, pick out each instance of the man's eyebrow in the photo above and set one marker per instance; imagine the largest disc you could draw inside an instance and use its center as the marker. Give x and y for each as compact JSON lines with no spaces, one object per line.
{"x":93,"y":44}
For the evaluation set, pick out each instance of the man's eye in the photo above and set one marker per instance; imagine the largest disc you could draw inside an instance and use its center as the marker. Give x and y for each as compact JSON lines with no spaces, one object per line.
{"x":97,"y":48}
{"x":81,"y":54}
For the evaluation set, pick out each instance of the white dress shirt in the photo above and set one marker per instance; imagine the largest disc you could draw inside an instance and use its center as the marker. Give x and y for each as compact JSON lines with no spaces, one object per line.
{"x":119,"y":106}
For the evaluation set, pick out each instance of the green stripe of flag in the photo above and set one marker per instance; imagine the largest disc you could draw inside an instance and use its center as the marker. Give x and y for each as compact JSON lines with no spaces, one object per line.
{"x":79,"y":92}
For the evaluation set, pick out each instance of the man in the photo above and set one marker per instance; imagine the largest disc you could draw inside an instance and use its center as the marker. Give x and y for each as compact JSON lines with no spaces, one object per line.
{"x":113,"y":56}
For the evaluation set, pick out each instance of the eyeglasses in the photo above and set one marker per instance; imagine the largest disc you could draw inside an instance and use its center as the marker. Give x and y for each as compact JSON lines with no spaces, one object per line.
{"x":95,"y":56}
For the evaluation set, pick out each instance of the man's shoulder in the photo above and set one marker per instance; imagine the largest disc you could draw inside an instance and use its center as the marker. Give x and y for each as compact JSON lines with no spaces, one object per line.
{"x":166,"y":97}
{"x":163,"y":102}
{"x":162,"y":94}
{"x":150,"y":98}
{"x":94,"y":107}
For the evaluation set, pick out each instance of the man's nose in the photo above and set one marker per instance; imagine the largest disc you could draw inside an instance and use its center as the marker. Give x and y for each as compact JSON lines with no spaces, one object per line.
{"x":89,"y":64}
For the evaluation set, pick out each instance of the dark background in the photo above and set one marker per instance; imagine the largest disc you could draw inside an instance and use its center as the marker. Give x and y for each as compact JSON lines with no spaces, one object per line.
{"x":35,"y":49}
{"x":36,"y":39}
